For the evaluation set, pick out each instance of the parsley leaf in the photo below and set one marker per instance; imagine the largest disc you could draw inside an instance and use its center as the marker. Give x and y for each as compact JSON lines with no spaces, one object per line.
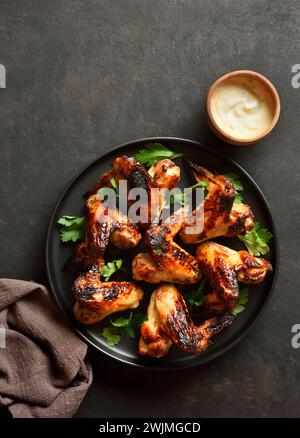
{"x":113,"y":183}
{"x":195,"y":297}
{"x":256,"y":240}
{"x":121,"y":326}
{"x":70,"y":220}
{"x":241,"y":302}
{"x":238,"y":198}
{"x":153,"y":152}
{"x":121,"y":321}
{"x":238,"y":186}
{"x":110,"y":268}
{"x":111,"y":336}
{"x":72,"y":228}
{"x":182,"y":197}
{"x":138,"y":319}
{"x":124,"y":325}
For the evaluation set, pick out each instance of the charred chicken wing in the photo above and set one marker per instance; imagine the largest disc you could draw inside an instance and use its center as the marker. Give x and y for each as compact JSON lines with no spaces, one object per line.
{"x":165,"y":174}
{"x":154,"y":340}
{"x":221,"y":216}
{"x":96,"y":300}
{"x":224,"y":268}
{"x":104,"y":225}
{"x":165,"y":260}
{"x":169,"y":319}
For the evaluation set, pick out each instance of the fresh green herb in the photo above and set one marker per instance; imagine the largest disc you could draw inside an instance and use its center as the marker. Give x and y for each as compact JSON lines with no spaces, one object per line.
{"x":121,"y":326}
{"x":256,"y":240}
{"x":158,"y":251}
{"x":153,"y":152}
{"x":241,"y":302}
{"x":238,"y":198}
{"x":128,"y":325}
{"x":238,"y":186}
{"x":124,"y":325}
{"x":111,"y":335}
{"x":138,"y":319}
{"x":113,"y":183}
{"x":182,"y":197}
{"x":72,"y":228}
{"x":201,"y":184}
{"x":121,"y":321}
{"x":105,"y":192}
{"x":110,"y":268}
{"x":195,"y":297}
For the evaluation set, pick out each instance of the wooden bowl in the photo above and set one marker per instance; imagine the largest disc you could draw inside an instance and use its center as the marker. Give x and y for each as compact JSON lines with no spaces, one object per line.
{"x":222,"y":134}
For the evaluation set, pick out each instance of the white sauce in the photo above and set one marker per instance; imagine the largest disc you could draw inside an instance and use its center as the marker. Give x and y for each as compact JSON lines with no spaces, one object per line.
{"x":242,"y":107}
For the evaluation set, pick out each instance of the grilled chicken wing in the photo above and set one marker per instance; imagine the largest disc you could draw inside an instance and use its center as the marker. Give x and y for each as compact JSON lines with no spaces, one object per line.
{"x":224,"y":268}
{"x":222,"y":217}
{"x":124,"y":168}
{"x":169,"y":319}
{"x":105,"y":224}
{"x":165,"y":174}
{"x":96,"y":300}
{"x":166,"y":260}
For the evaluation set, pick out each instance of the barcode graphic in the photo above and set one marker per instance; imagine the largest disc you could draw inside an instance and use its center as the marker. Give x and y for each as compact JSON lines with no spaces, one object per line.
{"x":2,"y":337}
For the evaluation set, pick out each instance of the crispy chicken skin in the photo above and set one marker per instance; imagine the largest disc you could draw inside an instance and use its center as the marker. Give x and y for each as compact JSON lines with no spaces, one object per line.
{"x":166,"y":260}
{"x":127,"y":168}
{"x":124,"y":168}
{"x":213,"y":304}
{"x":221,"y":216}
{"x":165,"y":174}
{"x":154,"y":341}
{"x":96,"y":300}
{"x":102,"y":225}
{"x":224,"y":268}
{"x":169,"y":318}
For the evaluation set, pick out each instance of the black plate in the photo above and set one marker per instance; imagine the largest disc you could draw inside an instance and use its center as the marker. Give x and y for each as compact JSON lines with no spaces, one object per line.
{"x":71,"y":203}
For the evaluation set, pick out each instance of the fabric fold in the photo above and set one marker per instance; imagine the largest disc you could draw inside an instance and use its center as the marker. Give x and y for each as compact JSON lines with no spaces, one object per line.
{"x":42,"y":367}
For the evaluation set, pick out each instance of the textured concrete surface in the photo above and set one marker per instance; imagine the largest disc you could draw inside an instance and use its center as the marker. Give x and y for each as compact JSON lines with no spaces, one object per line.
{"x":84,"y":76}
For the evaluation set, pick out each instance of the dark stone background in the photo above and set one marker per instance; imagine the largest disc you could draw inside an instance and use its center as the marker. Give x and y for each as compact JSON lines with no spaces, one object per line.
{"x":84,"y":76}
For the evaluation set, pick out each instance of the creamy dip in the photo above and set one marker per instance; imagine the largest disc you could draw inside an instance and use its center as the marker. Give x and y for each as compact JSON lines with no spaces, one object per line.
{"x":242,"y":107}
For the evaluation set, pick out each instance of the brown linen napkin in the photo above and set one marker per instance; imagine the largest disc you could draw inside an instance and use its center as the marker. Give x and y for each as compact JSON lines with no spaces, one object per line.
{"x":42,"y":368}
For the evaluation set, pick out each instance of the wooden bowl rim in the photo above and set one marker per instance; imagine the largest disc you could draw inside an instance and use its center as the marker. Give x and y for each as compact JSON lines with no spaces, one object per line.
{"x":253,"y":75}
